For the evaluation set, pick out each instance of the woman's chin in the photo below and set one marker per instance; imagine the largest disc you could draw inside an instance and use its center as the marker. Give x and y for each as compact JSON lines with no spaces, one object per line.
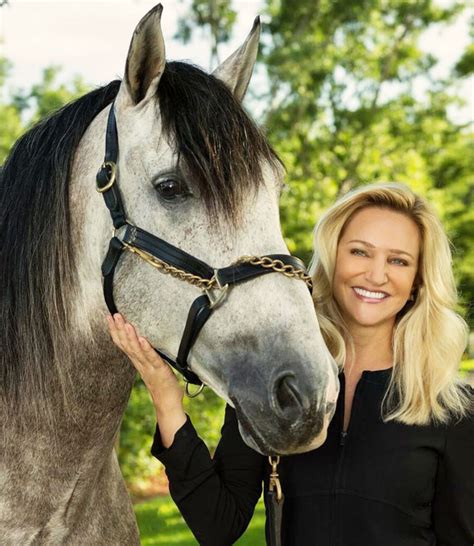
{"x":371,"y":319}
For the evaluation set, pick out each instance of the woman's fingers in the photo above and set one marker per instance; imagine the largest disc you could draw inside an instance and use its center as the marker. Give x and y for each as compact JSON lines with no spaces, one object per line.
{"x":159,"y":378}
{"x":150,"y":354}
{"x":136,"y":347}
{"x":119,"y":330}
{"x":132,"y":340}
{"x":114,"y":331}
{"x":145,"y":345}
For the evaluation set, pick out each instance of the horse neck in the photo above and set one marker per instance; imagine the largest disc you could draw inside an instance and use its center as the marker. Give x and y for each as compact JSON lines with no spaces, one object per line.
{"x":86,"y":410}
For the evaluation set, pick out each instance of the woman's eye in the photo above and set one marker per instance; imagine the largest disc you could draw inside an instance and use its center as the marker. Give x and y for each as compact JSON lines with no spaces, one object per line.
{"x":398,"y":261}
{"x":358,"y":252}
{"x":171,"y":189}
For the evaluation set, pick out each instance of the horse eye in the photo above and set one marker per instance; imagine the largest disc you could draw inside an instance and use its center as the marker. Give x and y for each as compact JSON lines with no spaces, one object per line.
{"x":171,"y":189}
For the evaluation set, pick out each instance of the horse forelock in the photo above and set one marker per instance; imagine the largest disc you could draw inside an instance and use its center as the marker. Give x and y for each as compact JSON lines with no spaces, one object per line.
{"x":221,"y":147}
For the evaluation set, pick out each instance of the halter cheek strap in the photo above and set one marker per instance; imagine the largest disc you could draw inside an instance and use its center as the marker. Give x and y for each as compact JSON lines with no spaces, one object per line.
{"x":169,"y":259}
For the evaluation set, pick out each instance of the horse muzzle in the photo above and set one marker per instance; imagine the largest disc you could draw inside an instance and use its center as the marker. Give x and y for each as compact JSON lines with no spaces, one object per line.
{"x":287,"y":412}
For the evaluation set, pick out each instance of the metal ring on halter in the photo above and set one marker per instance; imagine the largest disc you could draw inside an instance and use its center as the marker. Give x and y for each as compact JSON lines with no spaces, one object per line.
{"x":190,"y":394}
{"x":222,"y":292}
{"x":113,"y":176}
{"x":216,"y":300}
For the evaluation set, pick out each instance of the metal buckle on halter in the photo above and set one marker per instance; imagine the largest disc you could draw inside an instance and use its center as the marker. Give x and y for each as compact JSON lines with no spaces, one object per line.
{"x":112,"y":167}
{"x":216,"y":299}
{"x":197,"y":392}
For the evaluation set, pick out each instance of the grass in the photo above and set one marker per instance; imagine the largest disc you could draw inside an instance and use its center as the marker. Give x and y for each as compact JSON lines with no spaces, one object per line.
{"x":161,"y":524}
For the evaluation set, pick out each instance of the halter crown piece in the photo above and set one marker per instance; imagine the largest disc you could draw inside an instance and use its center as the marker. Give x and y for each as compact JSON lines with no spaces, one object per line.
{"x":215,"y":283}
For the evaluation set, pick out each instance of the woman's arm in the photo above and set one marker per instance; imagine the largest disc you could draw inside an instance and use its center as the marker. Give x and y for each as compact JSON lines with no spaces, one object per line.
{"x":165,"y":391}
{"x":453,"y":506}
{"x":217,"y":496}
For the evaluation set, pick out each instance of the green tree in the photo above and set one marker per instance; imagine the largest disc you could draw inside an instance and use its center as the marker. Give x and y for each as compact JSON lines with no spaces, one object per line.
{"x":465,"y":65}
{"x":10,"y":120}
{"x":48,"y":95}
{"x":217,"y":17}
{"x":21,"y":109}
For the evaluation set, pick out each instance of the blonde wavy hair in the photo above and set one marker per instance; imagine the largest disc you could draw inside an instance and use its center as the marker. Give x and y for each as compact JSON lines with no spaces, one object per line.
{"x":429,"y":336}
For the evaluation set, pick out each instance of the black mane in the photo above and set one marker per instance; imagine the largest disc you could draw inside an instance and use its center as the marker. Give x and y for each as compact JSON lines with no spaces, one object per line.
{"x":36,"y":259}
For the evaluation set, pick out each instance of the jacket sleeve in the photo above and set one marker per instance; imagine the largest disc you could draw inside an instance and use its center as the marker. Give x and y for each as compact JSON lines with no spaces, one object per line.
{"x":217,"y":496}
{"x":453,"y":506}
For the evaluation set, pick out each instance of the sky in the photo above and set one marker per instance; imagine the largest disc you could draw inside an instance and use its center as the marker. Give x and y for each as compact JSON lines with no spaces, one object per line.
{"x":91,"y":38}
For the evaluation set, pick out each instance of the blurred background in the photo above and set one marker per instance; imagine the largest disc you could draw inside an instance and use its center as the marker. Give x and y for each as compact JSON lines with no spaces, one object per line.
{"x":349,"y":92}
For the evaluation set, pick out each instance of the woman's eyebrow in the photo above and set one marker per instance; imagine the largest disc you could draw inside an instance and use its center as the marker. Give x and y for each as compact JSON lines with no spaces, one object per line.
{"x":370,"y":245}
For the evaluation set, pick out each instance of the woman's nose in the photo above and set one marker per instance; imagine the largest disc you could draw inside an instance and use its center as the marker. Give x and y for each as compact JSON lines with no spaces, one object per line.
{"x":377,"y":272}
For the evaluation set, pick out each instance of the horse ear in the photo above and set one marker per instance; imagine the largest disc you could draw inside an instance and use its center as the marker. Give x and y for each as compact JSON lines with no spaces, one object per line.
{"x":145,"y":60}
{"x":236,"y":70}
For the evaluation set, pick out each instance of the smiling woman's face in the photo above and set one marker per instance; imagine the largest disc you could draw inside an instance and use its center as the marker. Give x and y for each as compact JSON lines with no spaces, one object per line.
{"x":376,"y":266}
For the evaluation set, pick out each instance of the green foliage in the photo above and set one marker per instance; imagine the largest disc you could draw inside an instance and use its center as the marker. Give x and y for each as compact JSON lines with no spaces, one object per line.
{"x":207,"y":413}
{"x":48,"y":95}
{"x":161,"y":524}
{"x":27,"y":107}
{"x":467,"y":366}
{"x":465,"y":65}
{"x":136,"y":436}
{"x":216,"y":16}
{"x":10,"y":121}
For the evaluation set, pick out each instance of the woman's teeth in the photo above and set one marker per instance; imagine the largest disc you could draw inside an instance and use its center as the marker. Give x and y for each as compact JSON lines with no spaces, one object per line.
{"x":368,"y":294}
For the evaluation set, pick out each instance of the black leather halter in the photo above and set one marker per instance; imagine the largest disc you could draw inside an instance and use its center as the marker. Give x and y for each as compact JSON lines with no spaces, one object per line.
{"x":172,"y":260}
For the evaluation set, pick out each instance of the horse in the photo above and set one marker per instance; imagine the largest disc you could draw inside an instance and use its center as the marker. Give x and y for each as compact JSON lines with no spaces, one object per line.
{"x":194,"y":169}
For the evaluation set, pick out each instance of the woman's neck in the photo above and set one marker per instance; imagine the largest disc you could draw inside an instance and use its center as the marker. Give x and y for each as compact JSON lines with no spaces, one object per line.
{"x":371,"y":349}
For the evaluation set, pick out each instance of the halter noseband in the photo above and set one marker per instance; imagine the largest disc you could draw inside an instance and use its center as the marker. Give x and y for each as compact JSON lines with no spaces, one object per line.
{"x":162,"y":255}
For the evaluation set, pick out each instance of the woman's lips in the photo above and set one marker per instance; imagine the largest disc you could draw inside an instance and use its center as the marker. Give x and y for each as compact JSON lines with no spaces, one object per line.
{"x":369,"y":296}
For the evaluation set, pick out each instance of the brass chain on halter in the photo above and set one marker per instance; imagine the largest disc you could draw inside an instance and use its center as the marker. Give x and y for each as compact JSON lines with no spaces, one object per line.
{"x":207,"y":284}
{"x":278,"y":266}
{"x":204,"y":284}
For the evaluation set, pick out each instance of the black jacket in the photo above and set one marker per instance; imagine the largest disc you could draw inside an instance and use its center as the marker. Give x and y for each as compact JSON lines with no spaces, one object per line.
{"x":382,"y":484}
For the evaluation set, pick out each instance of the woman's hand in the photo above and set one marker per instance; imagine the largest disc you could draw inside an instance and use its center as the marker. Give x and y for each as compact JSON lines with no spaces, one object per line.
{"x":165,"y":391}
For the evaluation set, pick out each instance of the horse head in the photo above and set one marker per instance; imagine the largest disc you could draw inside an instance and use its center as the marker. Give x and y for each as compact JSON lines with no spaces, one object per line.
{"x":194,"y":170}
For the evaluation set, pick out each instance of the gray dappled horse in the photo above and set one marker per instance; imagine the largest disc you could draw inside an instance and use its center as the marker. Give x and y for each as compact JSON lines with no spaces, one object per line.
{"x":195,"y":170}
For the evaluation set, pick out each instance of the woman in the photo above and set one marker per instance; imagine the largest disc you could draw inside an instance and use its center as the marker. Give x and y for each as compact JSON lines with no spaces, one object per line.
{"x":396,"y":469}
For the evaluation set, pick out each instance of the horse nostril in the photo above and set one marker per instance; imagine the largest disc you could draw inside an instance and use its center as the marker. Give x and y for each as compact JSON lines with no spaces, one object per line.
{"x":287,"y":399}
